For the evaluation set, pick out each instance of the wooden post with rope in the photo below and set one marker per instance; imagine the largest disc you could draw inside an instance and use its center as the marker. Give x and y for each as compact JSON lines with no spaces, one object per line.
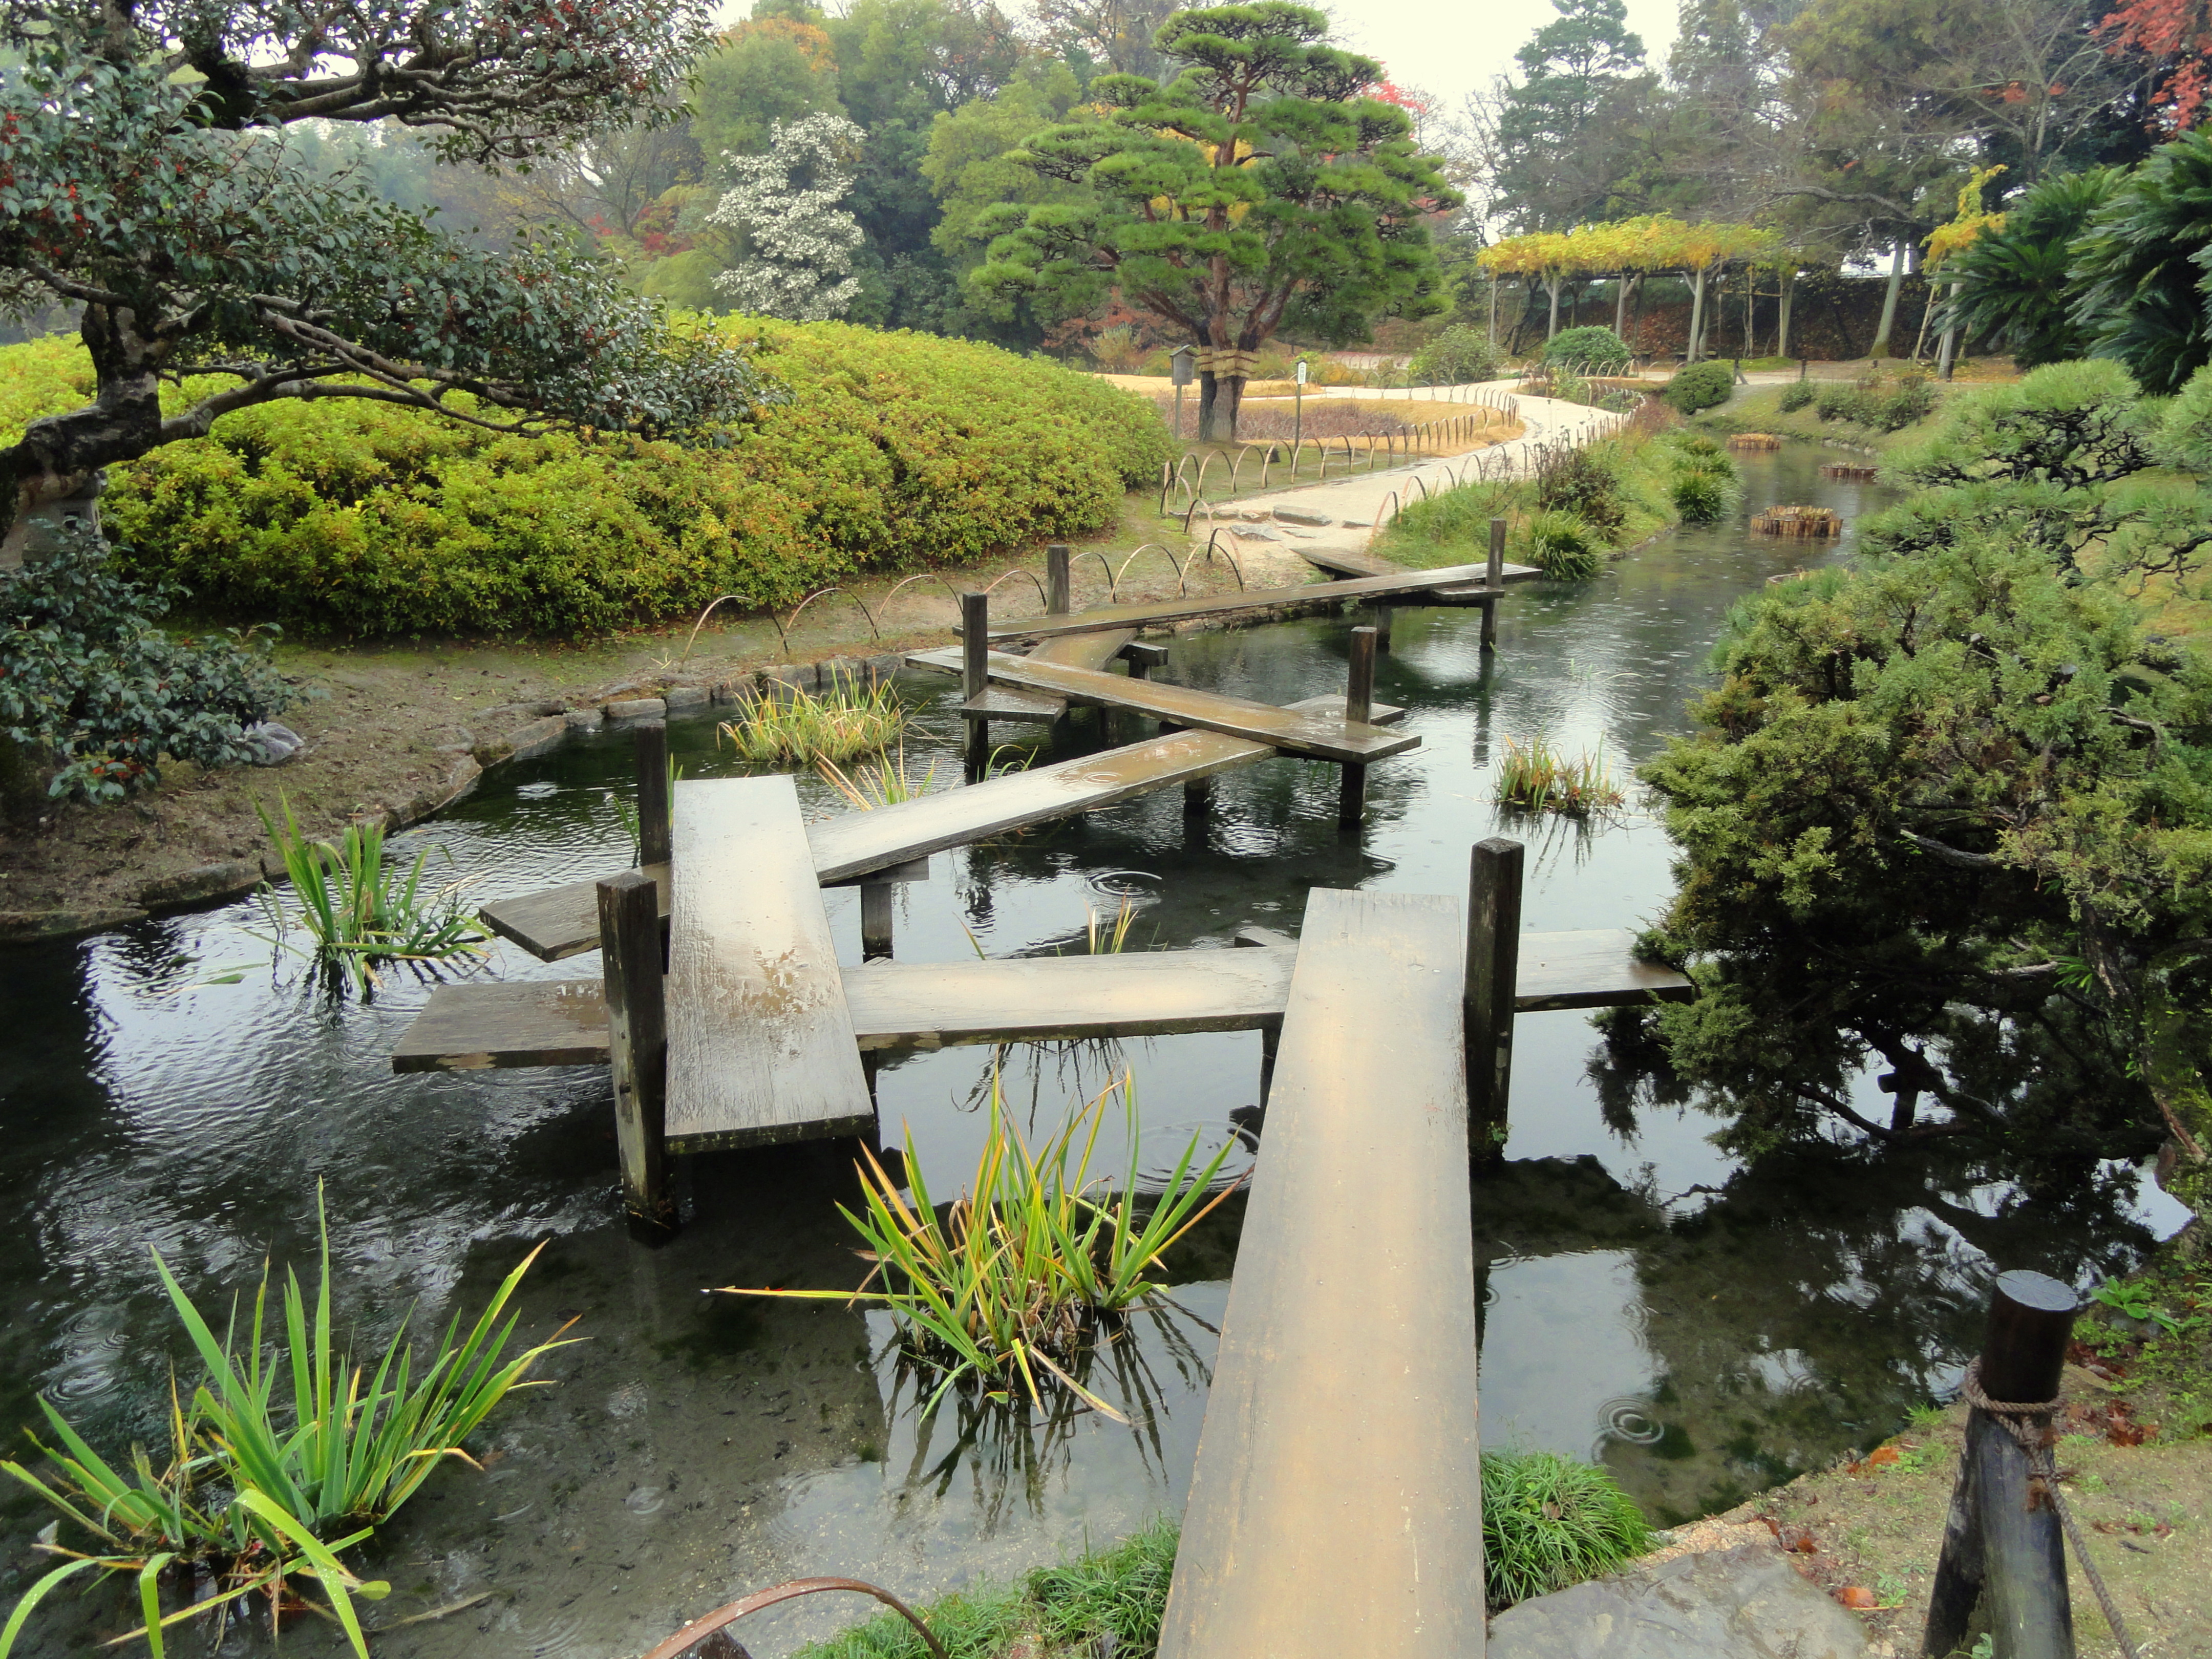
{"x":2004,"y":1542}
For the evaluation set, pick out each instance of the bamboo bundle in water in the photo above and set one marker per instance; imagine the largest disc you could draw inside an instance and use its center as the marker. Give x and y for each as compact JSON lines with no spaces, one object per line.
{"x":1754,"y":440}
{"x":1853,"y":474}
{"x":1799,"y":521}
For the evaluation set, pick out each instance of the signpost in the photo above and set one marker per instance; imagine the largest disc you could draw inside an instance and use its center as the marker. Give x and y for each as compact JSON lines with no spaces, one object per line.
{"x":1181,"y":361}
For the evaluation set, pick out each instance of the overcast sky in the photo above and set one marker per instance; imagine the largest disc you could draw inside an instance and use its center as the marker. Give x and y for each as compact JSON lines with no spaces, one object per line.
{"x":1449,"y":48}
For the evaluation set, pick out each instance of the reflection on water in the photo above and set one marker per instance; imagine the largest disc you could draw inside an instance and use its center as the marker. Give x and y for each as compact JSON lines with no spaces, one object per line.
{"x":1702,"y":1326}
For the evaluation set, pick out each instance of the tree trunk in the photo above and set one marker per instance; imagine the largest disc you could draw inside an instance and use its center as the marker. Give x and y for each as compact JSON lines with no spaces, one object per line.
{"x":58,"y":457}
{"x":1227,"y":401}
{"x":1946,"y":353}
{"x":1750,"y":311}
{"x":1697,"y":317}
{"x":1782,"y":328}
{"x":1635,"y":315}
{"x":1208,"y":388}
{"x":1551,"y":329}
{"x":1620,"y":303}
{"x":1880,"y":346}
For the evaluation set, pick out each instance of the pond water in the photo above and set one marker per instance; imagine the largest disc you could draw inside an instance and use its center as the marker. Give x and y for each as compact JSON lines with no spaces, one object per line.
{"x":1702,"y":1326}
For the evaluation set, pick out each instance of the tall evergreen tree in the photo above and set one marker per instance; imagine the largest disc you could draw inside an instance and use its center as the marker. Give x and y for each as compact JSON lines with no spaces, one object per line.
{"x":1583,"y":83}
{"x":1260,"y":188}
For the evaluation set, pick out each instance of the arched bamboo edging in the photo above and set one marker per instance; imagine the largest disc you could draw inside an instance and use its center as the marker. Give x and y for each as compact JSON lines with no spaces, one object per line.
{"x":1153,"y":547}
{"x":783,"y":628}
{"x":719,"y":599}
{"x":1035,"y":581}
{"x":1212,"y":543}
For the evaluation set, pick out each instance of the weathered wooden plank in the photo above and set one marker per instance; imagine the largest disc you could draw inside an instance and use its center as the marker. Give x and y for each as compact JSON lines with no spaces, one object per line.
{"x":1033,"y":998}
{"x":1085,"y":650}
{"x":999,"y":703}
{"x":560,"y":921}
{"x":1156,"y":611}
{"x":759,"y":1046}
{"x":1354,"y":563}
{"x":1336,"y":1509}
{"x":954,"y":817}
{"x":563,"y":1022}
{"x":1594,"y":968}
{"x":471,"y":1028}
{"x":1293,"y":731}
{"x":1331,"y":704}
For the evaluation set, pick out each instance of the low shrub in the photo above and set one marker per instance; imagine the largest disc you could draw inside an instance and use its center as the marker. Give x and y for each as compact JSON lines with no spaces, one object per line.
{"x":1701,"y":385}
{"x":1583,"y":483}
{"x":1459,"y":355}
{"x":1592,"y":348}
{"x":891,"y":450}
{"x":1878,"y":404}
{"x":1565,"y":547}
{"x":1798,"y":394}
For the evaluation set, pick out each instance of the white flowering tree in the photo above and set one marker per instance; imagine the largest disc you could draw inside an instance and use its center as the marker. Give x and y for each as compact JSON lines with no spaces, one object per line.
{"x":800,"y":240}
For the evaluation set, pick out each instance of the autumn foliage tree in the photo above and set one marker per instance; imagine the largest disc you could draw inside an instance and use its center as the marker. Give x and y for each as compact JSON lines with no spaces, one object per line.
{"x":1258,"y":187}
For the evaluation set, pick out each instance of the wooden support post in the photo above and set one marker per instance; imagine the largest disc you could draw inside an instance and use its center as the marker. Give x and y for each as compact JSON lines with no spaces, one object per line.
{"x":2002,"y":1544}
{"x":876,"y":919}
{"x":637,"y":1033}
{"x":1493,"y":579}
{"x":975,"y":677}
{"x":1271,"y":1038}
{"x":1382,"y":617}
{"x":1493,"y":972}
{"x":1057,"y":599}
{"x":1358,"y":703}
{"x":653,"y":820}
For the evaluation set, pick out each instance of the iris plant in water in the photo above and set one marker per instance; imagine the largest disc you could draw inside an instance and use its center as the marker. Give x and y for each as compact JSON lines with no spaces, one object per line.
{"x":263,"y":1485}
{"x":1013,"y":1278}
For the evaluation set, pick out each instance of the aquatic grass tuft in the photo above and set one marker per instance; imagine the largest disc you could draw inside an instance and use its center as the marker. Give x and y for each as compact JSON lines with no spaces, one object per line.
{"x":1121,"y":1593}
{"x":358,"y":912}
{"x":883,"y":784}
{"x":1549,"y":1521}
{"x":1538,"y":778}
{"x":838,"y":724}
{"x":1564,"y":546}
{"x":1010,"y":1280}
{"x":263,"y":1485}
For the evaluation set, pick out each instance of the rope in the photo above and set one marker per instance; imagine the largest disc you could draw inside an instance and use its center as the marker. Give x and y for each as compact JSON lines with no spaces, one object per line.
{"x":2012,"y":1416}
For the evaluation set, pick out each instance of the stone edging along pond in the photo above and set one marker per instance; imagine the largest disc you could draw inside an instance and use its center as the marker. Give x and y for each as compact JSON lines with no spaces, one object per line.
{"x":544,"y":726}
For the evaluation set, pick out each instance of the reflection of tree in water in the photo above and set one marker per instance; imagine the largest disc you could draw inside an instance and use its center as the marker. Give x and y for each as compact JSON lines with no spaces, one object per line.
{"x":1800,"y":1312}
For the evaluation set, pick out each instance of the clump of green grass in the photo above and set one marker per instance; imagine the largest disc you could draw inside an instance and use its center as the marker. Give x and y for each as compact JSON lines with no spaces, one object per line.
{"x":1538,"y":778}
{"x":1013,"y":1278}
{"x":836,"y":725}
{"x":1565,"y":546}
{"x":356,"y":912}
{"x":1549,"y":1521}
{"x":264,"y":1483}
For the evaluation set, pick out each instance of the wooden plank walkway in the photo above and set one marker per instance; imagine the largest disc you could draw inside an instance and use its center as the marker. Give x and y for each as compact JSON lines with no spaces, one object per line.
{"x":1352,"y":562}
{"x":563,"y":1022}
{"x":1335,"y":1511}
{"x":759,"y":1046}
{"x":1077,"y":651}
{"x":1292,"y":730}
{"x":1154,"y":612}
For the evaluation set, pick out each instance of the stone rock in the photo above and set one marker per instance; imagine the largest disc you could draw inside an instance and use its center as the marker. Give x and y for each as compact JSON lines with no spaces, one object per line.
{"x":204,"y":881}
{"x":845,"y":671}
{"x":884,"y":667}
{"x":637,"y":709}
{"x":737,"y":691}
{"x":800,"y":676}
{"x":686,"y":696}
{"x":583,"y":720}
{"x":1299,"y":515}
{"x":534,"y":739}
{"x":492,"y":750}
{"x":20,"y":927}
{"x":1743,"y":1603}
{"x":273,"y":744}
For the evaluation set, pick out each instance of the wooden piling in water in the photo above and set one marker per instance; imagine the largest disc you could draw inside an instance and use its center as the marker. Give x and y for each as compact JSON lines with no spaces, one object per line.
{"x":1493,"y":579}
{"x":1057,"y":585}
{"x":637,"y":1033}
{"x":653,"y":820}
{"x":1493,"y":972}
{"x":876,"y":919}
{"x":975,"y":676}
{"x":1359,"y":704}
{"x":1754,"y":440}
{"x":2003,"y":1542}
{"x":1798,"y":521}
{"x":1850,"y":473}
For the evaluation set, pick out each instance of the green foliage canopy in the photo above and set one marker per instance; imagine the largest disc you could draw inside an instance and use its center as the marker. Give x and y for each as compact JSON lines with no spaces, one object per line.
{"x":1258,"y":189}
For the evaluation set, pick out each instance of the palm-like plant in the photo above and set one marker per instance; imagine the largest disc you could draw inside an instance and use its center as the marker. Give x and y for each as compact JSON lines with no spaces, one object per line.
{"x":2139,"y":268}
{"x":2015,"y":290}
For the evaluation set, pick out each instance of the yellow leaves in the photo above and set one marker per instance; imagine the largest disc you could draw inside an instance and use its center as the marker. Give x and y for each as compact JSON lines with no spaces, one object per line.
{"x":1656,"y":241}
{"x":1970,"y":222}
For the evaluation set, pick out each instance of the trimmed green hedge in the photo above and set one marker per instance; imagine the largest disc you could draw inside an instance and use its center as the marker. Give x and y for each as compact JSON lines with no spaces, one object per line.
{"x":1701,"y":385}
{"x":893,"y":451}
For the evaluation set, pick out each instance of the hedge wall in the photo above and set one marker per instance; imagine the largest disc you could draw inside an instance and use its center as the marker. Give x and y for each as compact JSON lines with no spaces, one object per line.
{"x":893,"y":451}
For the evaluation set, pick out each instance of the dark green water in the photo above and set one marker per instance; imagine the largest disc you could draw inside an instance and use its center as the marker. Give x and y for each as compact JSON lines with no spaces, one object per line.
{"x":1703,"y":1327}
